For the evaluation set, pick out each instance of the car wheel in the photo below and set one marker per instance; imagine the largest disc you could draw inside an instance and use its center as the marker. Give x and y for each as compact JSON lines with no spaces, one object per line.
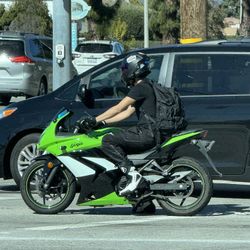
{"x":5,"y":99}
{"x":42,"y":87}
{"x":22,"y":154}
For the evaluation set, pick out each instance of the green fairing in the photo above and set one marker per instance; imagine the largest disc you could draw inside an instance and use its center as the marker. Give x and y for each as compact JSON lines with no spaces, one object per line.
{"x":67,"y":144}
{"x":110,"y":199}
{"x":74,"y":143}
{"x":179,"y":137}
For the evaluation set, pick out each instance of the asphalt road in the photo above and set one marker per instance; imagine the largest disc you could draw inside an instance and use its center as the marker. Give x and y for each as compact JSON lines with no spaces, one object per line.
{"x":223,"y":224}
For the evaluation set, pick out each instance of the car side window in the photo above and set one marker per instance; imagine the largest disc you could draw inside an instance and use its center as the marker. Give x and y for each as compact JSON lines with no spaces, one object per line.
{"x":36,"y":48}
{"x":212,"y":74}
{"x":155,"y":65}
{"x":107,"y":82}
{"x":47,"y":52}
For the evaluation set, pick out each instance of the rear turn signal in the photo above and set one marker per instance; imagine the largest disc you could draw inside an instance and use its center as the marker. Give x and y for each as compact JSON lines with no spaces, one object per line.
{"x":204,"y":134}
{"x":21,"y":59}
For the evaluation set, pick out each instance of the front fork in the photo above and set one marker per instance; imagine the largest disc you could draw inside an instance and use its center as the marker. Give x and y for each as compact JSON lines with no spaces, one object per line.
{"x":49,"y":172}
{"x":204,"y":146}
{"x":50,"y":175}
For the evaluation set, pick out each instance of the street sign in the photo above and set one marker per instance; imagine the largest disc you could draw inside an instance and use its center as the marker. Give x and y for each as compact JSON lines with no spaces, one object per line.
{"x":79,"y":9}
{"x":73,"y":35}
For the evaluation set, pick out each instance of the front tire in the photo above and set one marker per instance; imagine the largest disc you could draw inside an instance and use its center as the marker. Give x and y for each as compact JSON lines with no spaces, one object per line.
{"x":198,"y":193}
{"x":23,"y":152}
{"x":52,"y":200}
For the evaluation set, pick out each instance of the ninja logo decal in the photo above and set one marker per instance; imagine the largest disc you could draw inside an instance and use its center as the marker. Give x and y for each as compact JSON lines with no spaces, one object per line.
{"x":77,"y":144}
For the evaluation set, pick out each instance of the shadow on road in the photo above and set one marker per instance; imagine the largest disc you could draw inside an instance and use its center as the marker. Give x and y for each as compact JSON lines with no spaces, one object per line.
{"x":9,"y":188}
{"x":220,"y":190}
{"x":210,"y":210}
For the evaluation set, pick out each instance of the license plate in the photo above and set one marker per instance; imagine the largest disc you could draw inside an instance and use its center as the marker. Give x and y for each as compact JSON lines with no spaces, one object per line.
{"x":91,"y":60}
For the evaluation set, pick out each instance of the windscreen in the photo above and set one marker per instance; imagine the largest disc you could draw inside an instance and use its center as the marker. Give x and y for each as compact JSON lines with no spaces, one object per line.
{"x":94,"y":48}
{"x":12,"y":48}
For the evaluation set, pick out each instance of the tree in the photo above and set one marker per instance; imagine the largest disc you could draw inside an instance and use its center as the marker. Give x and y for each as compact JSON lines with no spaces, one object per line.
{"x":118,"y":29}
{"x":164,"y":20}
{"x":2,"y":9}
{"x":231,"y":8}
{"x":215,"y":19}
{"x":27,"y":16}
{"x":193,"y":19}
{"x":132,"y":15}
{"x":100,"y":17}
{"x":245,"y":24}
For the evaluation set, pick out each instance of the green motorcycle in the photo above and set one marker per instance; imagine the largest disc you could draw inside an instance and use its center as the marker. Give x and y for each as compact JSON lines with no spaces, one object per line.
{"x":70,"y":161}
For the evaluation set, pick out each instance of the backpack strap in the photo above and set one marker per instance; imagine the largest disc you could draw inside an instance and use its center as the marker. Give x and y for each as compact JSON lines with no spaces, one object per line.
{"x":157,"y":134}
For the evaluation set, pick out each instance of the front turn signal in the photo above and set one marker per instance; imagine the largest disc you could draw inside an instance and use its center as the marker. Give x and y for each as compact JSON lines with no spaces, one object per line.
{"x":50,"y":165}
{"x":7,"y":112}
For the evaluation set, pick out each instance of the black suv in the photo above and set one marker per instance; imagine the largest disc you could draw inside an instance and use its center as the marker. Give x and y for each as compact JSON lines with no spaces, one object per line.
{"x":212,"y":78}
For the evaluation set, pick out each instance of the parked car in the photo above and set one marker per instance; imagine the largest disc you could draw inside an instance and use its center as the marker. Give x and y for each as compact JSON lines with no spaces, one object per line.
{"x":90,"y":53}
{"x":212,"y":78}
{"x":26,"y":65}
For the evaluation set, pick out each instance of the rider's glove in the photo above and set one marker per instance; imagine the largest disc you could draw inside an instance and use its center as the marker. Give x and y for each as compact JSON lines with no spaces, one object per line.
{"x":101,"y":124}
{"x":87,"y":123}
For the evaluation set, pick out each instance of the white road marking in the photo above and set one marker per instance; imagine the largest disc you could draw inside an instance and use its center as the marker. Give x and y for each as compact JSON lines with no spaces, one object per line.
{"x":10,"y":198}
{"x":199,"y":241}
{"x":103,"y":223}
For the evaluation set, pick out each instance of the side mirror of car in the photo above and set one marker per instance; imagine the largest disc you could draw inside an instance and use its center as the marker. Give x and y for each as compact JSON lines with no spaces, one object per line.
{"x":82,"y":92}
{"x":86,"y":96}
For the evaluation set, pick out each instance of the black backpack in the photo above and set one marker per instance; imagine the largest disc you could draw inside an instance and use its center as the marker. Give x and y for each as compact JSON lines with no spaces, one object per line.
{"x":170,"y":115}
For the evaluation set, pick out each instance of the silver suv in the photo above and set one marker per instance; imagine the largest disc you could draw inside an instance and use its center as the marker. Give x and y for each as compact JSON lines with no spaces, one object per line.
{"x":26,"y":65}
{"x":90,"y":53}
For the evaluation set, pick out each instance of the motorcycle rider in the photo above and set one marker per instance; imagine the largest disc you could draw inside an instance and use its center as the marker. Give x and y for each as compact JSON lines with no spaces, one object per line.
{"x":134,"y":68}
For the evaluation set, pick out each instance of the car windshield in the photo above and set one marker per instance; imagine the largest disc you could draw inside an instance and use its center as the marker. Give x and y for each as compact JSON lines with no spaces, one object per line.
{"x":94,"y":48}
{"x":12,"y":48}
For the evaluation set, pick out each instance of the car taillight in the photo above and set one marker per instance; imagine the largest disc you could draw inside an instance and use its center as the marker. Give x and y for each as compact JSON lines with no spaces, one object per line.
{"x":21,"y":59}
{"x":75,"y":56}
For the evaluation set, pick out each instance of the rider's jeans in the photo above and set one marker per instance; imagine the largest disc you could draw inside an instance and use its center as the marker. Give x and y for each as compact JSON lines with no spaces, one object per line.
{"x":131,"y":141}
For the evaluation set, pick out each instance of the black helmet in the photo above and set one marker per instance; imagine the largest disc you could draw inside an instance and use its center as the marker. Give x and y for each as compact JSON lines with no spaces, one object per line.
{"x":135,"y":66}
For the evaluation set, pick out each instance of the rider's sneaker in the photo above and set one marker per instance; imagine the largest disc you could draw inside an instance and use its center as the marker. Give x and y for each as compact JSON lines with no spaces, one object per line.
{"x":134,"y":179}
{"x":145,"y":208}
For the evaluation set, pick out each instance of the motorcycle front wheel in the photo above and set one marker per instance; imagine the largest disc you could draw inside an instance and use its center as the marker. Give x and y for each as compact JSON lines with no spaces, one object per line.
{"x":54,"y":199}
{"x":195,"y":196}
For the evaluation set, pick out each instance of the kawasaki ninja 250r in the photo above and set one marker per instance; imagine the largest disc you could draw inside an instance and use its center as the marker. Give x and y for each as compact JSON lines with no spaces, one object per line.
{"x":180,"y":185}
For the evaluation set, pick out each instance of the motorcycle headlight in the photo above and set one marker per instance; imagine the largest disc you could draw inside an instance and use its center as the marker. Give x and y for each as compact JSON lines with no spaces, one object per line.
{"x":7,"y":112}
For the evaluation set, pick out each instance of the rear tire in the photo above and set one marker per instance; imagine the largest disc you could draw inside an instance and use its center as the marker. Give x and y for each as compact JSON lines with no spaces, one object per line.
{"x":42,"y":87}
{"x":200,"y":188}
{"x":56,"y":198}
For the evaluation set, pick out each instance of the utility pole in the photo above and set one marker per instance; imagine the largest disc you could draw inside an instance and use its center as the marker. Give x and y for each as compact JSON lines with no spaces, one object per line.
{"x":146,"y":35}
{"x":62,"y":65}
{"x":193,"y":15}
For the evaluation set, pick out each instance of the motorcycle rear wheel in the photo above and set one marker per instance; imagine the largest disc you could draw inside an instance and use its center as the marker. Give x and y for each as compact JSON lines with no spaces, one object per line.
{"x":56,"y":198}
{"x":197,"y":195}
